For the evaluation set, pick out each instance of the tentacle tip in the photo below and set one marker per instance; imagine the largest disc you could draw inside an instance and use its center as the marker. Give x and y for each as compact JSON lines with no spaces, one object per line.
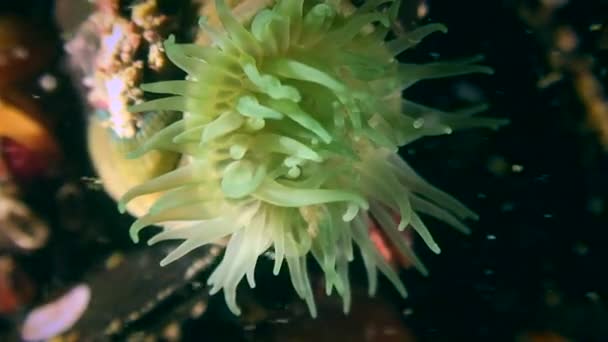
{"x":385,"y":21}
{"x":171,"y":39}
{"x":365,"y":205}
{"x":134,"y":235}
{"x":498,"y":125}
{"x":472,"y":216}
{"x":464,"y":229}
{"x":346,"y":309}
{"x":423,"y":271}
{"x":487,"y":70}
{"x":313,"y":313}
{"x":402,"y":225}
{"x":122,"y":206}
{"x":153,"y":241}
{"x":179,"y":139}
{"x":166,"y":261}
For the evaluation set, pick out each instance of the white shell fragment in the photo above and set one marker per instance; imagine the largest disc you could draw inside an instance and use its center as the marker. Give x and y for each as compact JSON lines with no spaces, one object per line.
{"x":54,"y":318}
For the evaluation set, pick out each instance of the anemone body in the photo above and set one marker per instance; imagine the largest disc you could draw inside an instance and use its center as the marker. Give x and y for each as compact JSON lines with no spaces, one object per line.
{"x":291,"y":126}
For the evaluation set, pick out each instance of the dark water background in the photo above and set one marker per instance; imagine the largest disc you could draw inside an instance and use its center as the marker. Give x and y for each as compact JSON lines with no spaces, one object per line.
{"x":536,"y":261}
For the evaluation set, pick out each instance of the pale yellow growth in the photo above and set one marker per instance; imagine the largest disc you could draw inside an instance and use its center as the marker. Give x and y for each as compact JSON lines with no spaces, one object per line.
{"x":119,"y":173}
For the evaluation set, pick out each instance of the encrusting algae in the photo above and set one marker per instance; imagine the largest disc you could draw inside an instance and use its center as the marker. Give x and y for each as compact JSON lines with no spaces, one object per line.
{"x":290,"y":133}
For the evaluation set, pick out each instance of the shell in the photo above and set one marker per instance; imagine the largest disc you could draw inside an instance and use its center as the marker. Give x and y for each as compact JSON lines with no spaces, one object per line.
{"x":54,"y":318}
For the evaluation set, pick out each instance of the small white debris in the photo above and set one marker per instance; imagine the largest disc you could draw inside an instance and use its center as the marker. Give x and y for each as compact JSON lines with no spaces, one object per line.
{"x":517,"y":168}
{"x":595,"y":27}
{"x":507,"y":207}
{"x":593,"y":296}
{"x":20,"y":52}
{"x":198,"y":309}
{"x":422,"y":10}
{"x":48,"y":82}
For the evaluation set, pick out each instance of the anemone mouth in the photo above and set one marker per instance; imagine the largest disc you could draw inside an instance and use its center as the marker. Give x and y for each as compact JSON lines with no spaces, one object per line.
{"x":292,"y":123}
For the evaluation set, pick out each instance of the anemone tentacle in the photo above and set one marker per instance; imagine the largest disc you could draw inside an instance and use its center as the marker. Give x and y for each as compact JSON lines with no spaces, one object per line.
{"x":291,"y":126}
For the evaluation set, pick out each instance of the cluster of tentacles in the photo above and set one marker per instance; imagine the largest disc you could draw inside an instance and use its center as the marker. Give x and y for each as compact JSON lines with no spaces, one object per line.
{"x":290,"y":131}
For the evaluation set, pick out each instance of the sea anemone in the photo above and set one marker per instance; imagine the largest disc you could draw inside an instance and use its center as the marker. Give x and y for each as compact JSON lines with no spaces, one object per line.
{"x":290,"y":133}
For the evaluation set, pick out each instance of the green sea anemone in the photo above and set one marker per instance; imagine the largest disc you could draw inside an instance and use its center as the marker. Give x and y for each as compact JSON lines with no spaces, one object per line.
{"x":291,"y":126}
